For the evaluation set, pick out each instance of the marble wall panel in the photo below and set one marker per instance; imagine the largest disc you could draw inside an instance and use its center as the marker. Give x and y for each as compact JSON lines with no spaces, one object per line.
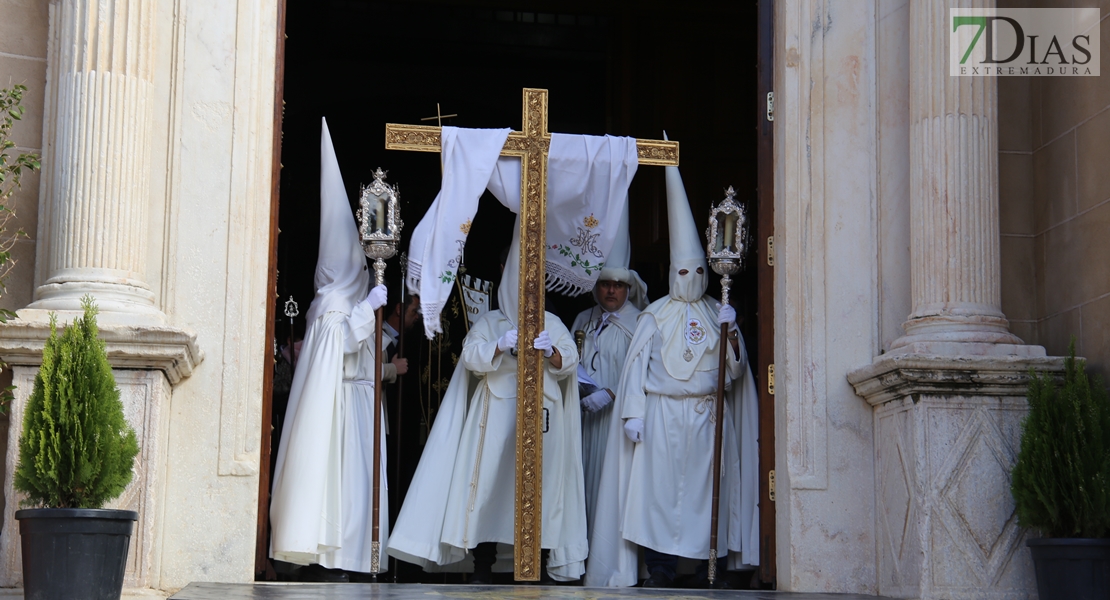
{"x":1014,"y":115}
{"x":31,"y":72}
{"x":1093,"y":156}
{"x":1019,"y":292}
{"x":220,"y":134}
{"x":23,"y":28}
{"x":1056,"y":331}
{"x":827,"y":284}
{"x":1015,"y":192}
{"x":1075,"y":255}
{"x":1054,"y":182}
{"x":1094,"y":337}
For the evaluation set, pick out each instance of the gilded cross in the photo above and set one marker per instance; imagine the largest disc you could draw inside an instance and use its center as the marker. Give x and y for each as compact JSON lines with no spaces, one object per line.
{"x":530,"y":144}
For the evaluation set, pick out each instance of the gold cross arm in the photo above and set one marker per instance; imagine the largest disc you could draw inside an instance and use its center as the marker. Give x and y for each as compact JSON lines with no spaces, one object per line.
{"x":531,"y":144}
{"x":425,"y":138}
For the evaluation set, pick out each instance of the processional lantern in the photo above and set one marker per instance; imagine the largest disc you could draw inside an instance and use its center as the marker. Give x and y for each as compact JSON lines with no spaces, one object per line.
{"x":379,"y":229}
{"x":380,"y":223}
{"x":727,"y":237}
{"x":727,"y":242}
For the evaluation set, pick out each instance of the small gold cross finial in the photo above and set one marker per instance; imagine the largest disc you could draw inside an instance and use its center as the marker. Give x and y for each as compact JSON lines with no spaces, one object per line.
{"x":439,"y":117}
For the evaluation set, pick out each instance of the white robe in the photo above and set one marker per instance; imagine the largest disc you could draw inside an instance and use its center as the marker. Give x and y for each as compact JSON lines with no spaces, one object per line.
{"x":658,"y":493}
{"x":320,"y":507}
{"x":463,"y":491}
{"x":603,"y":360}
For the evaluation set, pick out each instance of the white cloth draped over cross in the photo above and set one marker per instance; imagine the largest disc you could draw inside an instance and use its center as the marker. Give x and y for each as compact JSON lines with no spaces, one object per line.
{"x":587,"y":186}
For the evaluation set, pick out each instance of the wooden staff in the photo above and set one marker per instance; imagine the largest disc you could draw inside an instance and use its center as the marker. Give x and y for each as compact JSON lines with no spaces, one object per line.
{"x":375,"y":535}
{"x":719,"y":413}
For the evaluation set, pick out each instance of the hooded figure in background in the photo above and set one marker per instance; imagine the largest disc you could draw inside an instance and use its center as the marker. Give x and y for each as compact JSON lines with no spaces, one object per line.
{"x":321,"y":501}
{"x":607,"y":329}
{"x":655,"y":490}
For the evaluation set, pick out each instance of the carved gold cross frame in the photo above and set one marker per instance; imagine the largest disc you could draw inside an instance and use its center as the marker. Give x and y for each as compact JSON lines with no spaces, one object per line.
{"x":531,"y":145}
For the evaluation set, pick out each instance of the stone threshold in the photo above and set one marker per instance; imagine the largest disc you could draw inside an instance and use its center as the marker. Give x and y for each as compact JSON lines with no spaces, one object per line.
{"x":412,"y":591}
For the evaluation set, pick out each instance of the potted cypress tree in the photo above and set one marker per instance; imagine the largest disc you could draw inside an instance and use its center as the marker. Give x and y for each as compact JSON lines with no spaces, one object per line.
{"x":1061,"y":483}
{"x":75,"y":455}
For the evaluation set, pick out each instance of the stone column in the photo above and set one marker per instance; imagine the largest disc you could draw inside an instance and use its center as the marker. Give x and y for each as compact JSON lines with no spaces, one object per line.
{"x":92,"y":240}
{"x":949,"y":398}
{"x":97,"y":157}
{"x":954,"y":248}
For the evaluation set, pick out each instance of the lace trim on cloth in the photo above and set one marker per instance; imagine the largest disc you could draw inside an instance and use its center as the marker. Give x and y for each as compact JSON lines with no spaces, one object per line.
{"x":565,"y":281}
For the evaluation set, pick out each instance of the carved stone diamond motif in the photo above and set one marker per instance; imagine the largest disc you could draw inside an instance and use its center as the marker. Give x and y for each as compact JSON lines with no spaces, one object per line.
{"x":895,"y":490}
{"x":979,"y":492}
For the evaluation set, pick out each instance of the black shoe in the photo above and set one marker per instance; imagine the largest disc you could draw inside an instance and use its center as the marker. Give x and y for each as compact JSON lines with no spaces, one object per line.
{"x":658,"y":579}
{"x":485,"y":554}
{"x":319,"y":574}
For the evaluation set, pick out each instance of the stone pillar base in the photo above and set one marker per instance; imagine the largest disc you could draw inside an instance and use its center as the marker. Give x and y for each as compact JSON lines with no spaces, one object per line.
{"x":947,"y":434}
{"x":145,"y":395}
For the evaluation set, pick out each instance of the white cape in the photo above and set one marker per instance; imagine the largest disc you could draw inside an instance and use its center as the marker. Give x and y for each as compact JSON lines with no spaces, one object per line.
{"x":320,"y":507}
{"x":603,"y":360}
{"x":613,"y":559}
{"x":462,"y":492}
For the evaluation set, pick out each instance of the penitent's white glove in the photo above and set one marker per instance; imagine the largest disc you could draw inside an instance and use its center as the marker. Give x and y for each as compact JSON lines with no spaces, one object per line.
{"x":543,"y":342}
{"x":634,"y":429}
{"x":508,"y":341}
{"x":596,"y":401}
{"x":377,"y":297}
{"x":726,"y":315}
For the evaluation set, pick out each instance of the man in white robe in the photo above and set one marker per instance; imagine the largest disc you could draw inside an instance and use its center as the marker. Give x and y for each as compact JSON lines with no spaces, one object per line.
{"x":607,"y":330}
{"x":462,"y":496}
{"x":656,"y":489}
{"x":320,"y":505}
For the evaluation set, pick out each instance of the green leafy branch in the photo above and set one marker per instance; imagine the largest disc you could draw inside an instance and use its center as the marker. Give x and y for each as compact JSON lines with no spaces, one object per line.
{"x":12,"y":168}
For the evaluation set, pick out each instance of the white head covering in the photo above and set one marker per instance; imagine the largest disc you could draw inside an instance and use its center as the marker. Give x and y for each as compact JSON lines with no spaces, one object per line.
{"x":686,"y":249}
{"x":616,"y":266}
{"x":508,"y":291}
{"x":342,"y":279}
{"x":686,"y":321}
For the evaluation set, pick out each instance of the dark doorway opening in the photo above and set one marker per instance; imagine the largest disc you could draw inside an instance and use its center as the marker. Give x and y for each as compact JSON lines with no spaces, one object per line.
{"x":619,"y":68}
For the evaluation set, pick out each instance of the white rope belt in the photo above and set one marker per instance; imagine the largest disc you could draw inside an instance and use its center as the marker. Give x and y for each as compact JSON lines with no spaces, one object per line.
{"x":358,"y":381}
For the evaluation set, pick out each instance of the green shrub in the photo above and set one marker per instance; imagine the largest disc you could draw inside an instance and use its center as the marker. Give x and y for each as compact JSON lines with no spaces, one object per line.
{"x":1061,"y":482}
{"x":77,"y":449}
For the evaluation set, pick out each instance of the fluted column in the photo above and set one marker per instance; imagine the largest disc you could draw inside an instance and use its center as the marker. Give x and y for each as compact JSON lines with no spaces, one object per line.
{"x":954,"y":248}
{"x":98,"y":156}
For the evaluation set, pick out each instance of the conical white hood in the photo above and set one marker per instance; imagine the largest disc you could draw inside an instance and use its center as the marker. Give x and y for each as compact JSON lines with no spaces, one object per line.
{"x":508,"y":291}
{"x":686,"y":249}
{"x":342,"y":279}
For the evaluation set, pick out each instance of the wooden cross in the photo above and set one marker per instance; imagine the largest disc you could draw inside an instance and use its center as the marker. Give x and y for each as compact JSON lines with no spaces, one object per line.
{"x":531,"y":145}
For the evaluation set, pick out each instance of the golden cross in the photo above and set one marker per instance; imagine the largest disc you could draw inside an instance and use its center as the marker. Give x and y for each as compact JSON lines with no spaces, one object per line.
{"x":531,"y":144}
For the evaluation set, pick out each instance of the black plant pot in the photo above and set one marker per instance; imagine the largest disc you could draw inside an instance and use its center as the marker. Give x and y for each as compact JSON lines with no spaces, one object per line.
{"x":1071,"y":568}
{"x":74,"y":553}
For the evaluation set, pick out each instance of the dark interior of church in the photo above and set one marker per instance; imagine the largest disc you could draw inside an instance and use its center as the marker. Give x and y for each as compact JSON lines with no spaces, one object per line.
{"x":618,"y":68}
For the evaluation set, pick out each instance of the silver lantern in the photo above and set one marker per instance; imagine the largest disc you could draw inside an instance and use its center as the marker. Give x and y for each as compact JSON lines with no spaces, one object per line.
{"x":727,"y":239}
{"x":380,"y":224}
